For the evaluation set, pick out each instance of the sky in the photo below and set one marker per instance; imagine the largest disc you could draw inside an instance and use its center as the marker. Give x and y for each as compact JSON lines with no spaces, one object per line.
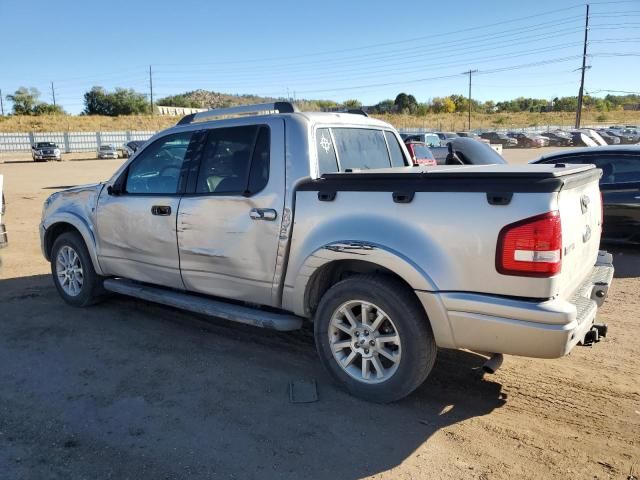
{"x":331,"y":49}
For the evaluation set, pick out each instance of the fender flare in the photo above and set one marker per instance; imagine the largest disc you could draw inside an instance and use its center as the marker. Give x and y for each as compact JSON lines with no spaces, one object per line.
{"x":295,"y":290}
{"x":80,"y":224}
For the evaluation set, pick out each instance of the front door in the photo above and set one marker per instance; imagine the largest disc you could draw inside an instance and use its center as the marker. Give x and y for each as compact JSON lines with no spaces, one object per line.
{"x":136,"y":222}
{"x":229,"y":225}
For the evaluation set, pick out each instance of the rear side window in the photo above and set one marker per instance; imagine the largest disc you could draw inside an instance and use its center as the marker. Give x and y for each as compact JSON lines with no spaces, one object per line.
{"x":397,"y":158}
{"x":327,"y":160}
{"x":360,"y":148}
{"x":235,"y":161}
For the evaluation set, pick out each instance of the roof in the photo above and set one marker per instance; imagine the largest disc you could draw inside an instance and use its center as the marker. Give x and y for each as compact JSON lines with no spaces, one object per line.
{"x":591,"y":150}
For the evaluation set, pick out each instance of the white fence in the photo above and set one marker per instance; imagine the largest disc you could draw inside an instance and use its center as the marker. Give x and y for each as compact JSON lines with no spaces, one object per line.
{"x":69,"y":141}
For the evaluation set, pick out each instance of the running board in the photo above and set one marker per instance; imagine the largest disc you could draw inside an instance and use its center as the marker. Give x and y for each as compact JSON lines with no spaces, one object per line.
{"x":205,"y":306}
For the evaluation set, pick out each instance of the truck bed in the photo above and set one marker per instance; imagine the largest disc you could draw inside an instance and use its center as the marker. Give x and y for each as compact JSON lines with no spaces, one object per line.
{"x":446,"y":220}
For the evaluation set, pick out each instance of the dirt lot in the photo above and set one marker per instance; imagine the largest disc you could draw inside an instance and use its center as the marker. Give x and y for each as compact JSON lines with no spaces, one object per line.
{"x":128,"y":389}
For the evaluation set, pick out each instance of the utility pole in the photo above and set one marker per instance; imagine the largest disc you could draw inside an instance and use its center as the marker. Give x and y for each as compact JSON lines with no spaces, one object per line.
{"x":1,"y":104}
{"x":53,"y":93}
{"x":584,"y":67}
{"x":151,"y":88}
{"x":469,"y":72}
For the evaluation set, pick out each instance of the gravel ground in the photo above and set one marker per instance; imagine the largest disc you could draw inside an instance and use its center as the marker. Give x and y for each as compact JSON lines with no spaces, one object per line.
{"x":128,"y":389}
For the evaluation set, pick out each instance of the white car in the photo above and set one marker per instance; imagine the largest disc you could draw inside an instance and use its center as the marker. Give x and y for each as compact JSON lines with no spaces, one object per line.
{"x":108,"y":151}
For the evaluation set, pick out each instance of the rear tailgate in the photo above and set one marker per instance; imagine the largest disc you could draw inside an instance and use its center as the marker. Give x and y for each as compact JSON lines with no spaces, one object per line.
{"x":580,"y":206}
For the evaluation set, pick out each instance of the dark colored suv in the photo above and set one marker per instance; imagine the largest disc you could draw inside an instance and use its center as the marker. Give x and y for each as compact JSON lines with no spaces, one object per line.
{"x":620,"y":187}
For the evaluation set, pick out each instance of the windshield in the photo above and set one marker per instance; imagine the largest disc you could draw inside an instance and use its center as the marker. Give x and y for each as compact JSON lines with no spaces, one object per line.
{"x":106,"y":148}
{"x":46,"y":145}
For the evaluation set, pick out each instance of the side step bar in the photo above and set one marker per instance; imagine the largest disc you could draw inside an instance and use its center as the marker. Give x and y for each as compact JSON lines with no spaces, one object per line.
{"x":205,"y":306}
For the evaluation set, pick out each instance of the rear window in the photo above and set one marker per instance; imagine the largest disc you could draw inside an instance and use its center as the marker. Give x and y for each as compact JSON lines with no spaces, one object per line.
{"x":340,"y":149}
{"x":422,"y":151}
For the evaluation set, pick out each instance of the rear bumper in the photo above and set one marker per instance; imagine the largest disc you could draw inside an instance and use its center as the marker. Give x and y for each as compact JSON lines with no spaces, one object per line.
{"x":495,"y":324}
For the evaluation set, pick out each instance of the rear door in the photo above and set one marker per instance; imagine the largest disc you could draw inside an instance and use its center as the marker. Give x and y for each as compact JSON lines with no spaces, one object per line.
{"x":229,"y":221}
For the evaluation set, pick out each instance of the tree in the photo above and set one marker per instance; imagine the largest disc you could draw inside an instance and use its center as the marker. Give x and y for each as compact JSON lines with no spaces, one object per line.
{"x":385,"y":106}
{"x":122,"y":101}
{"x":352,"y":104}
{"x":48,"y":109}
{"x":24,"y":100}
{"x":405,"y":103}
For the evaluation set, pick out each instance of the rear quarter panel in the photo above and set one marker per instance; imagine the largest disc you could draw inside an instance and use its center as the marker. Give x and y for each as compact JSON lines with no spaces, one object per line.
{"x":449,"y":238}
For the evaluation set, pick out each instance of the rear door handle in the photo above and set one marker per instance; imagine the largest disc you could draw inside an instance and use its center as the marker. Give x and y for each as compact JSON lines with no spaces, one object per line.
{"x":268,"y":214}
{"x":161,"y":210}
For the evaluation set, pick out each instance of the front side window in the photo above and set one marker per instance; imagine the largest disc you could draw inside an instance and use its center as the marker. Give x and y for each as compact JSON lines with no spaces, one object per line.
{"x":235,"y":161}
{"x":158,"y":168}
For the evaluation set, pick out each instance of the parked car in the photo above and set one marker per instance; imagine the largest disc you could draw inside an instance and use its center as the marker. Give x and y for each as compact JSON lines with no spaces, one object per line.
{"x":108,"y":151}
{"x":620,"y":186}
{"x":420,"y":153}
{"x":466,"y":151}
{"x":473,"y":135}
{"x":558,"y":138}
{"x":581,"y":139}
{"x":43,"y":151}
{"x":445,"y":136}
{"x":610,"y":139}
{"x":595,"y":136}
{"x":628,"y":136}
{"x":500,"y":139}
{"x":4,"y":239}
{"x":389,"y":261}
{"x":430,"y":139}
{"x":525,"y":140}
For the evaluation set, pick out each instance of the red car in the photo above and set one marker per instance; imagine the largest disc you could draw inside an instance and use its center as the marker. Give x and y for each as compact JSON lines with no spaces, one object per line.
{"x":420,"y":153}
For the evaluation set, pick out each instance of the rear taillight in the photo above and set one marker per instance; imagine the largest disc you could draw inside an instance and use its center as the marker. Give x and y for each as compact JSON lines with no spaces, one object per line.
{"x":531,"y":247}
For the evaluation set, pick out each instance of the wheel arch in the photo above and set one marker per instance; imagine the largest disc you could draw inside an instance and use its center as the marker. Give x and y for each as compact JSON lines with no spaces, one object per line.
{"x":67,"y":222}
{"x":333,"y":262}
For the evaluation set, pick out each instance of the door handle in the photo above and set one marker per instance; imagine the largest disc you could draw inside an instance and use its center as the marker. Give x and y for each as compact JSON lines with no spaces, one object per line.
{"x":268,"y":214}
{"x":161,"y":210}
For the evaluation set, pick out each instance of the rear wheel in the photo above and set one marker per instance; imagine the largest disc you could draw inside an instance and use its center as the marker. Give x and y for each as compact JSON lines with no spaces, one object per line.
{"x":73,"y":273}
{"x":374,"y":338}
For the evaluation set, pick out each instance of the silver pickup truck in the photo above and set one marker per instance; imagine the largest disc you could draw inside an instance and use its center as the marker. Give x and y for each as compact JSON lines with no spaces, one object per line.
{"x":274,"y":217}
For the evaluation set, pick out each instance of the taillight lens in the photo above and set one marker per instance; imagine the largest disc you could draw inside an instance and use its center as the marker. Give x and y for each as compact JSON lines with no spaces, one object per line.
{"x":531,"y":247}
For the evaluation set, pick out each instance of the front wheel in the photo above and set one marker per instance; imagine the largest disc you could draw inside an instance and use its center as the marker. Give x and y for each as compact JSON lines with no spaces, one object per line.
{"x":374,"y":338}
{"x":73,"y":273}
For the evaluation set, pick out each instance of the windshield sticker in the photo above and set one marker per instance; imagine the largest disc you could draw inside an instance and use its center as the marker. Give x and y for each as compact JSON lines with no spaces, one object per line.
{"x":325,"y":143}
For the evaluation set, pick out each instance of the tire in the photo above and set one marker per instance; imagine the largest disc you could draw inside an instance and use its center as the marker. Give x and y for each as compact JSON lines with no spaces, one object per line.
{"x":412,"y":355}
{"x":88,"y":284}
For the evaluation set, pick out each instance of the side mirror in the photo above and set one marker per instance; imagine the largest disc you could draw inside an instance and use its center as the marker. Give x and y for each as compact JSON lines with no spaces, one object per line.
{"x":112,"y":190}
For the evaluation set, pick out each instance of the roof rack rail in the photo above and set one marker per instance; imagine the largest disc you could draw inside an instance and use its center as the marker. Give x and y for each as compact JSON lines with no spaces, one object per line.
{"x":354,"y":111}
{"x":256,"y":109}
